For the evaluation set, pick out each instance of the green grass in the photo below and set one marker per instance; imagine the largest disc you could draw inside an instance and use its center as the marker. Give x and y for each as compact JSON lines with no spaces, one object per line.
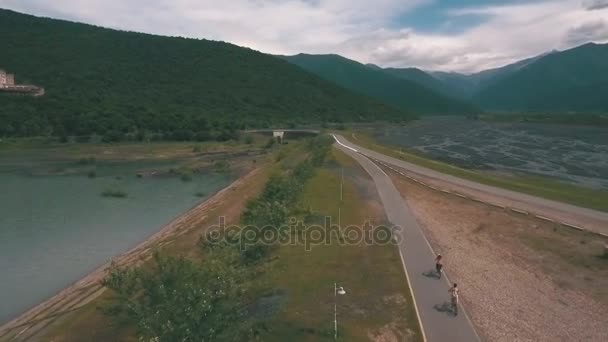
{"x":529,"y":184}
{"x":376,"y":297}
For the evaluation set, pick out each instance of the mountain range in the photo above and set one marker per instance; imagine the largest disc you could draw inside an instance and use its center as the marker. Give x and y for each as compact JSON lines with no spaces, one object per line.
{"x":403,"y":93}
{"x":126,"y":84}
{"x":574,"y":80}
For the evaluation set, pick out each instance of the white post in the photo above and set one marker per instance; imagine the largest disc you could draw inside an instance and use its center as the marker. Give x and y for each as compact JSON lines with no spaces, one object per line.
{"x":341,"y":185}
{"x":335,"y":311}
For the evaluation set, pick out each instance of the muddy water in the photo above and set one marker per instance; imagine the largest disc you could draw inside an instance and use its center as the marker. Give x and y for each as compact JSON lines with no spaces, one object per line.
{"x":577,"y":154}
{"x":54,"y":229}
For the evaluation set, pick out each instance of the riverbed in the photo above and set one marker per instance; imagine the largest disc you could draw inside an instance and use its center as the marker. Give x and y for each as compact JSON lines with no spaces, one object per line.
{"x":575,"y":154}
{"x":56,"y":227}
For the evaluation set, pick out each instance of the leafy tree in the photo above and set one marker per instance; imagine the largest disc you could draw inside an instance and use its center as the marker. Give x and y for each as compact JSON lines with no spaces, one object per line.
{"x":177,"y":299}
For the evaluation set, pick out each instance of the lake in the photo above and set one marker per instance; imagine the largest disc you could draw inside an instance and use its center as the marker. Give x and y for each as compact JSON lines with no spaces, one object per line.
{"x":576,"y":154}
{"x":55,"y":227}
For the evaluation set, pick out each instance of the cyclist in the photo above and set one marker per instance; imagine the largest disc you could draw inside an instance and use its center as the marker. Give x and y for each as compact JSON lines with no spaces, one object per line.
{"x":438,"y":265}
{"x":454,"y":295}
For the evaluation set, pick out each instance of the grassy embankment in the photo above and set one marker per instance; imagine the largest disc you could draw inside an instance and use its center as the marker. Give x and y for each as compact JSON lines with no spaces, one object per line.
{"x":533,"y":185}
{"x":377,"y":303}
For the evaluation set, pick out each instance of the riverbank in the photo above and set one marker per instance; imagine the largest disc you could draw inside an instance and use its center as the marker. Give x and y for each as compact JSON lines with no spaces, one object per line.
{"x":35,"y":320}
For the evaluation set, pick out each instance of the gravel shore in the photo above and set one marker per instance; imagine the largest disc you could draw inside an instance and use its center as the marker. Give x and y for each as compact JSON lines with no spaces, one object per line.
{"x":521,"y":279}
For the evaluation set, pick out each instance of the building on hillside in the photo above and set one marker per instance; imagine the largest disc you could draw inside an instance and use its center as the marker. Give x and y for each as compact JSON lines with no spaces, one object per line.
{"x":2,"y":78}
{"x":7,"y":85}
{"x":10,"y":80}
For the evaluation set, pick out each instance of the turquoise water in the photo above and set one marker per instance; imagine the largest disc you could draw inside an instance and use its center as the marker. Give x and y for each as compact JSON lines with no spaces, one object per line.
{"x":56,"y":229}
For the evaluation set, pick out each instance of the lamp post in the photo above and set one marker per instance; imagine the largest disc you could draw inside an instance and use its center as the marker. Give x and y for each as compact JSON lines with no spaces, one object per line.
{"x":337,"y":291}
{"x":341,"y":185}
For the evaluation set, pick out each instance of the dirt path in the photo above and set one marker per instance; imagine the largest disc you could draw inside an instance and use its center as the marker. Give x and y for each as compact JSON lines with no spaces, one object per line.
{"x":88,"y":288}
{"x":521,"y":278}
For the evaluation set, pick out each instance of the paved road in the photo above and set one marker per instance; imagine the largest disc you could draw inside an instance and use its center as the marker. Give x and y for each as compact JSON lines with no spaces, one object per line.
{"x":589,"y":219}
{"x":430,"y":294}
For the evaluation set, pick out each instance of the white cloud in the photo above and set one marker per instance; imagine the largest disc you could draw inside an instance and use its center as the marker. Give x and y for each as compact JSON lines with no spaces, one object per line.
{"x":509,"y":33}
{"x":590,"y":31}
{"x":358,"y":29}
{"x":595,"y":4}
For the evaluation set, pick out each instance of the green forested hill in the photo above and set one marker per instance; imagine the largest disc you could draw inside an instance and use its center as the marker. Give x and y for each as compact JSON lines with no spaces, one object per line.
{"x":112,"y":83}
{"x":571,"y":80}
{"x":418,"y":76}
{"x":399,"y":92}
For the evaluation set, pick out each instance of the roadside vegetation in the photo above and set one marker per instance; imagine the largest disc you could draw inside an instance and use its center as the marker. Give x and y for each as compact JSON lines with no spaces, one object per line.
{"x":377,"y":305}
{"x":533,"y":185}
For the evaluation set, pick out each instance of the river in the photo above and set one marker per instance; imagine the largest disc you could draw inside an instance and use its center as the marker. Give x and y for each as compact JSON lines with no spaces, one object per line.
{"x":54,"y":229}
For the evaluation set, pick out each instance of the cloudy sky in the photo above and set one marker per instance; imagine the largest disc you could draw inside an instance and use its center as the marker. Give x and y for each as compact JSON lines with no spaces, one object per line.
{"x":451,"y":35}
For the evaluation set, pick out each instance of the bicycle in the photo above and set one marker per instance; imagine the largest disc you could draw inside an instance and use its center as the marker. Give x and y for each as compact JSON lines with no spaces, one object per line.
{"x":438,"y":268}
{"x":455,"y":304}
{"x":454,"y":293}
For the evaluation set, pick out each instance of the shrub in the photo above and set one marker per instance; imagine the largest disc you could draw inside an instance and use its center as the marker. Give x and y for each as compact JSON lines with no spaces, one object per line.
{"x":176,"y":299}
{"x":114,"y":193}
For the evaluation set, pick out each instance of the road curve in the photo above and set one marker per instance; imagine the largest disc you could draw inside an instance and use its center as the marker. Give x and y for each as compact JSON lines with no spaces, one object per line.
{"x":430,"y":294}
{"x":592,"y":220}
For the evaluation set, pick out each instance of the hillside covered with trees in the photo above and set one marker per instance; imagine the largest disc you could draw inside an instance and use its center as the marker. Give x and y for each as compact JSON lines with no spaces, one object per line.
{"x":397,"y":91}
{"x":129,"y":85}
{"x":572,"y":80}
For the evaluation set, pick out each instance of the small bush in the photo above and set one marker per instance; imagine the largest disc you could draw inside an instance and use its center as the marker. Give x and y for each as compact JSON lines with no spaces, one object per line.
{"x":197,"y":148}
{"x":92,"y":174}
{"x":200,"y":194}
{"x":248,"y":139}
{"x":114,"y":193}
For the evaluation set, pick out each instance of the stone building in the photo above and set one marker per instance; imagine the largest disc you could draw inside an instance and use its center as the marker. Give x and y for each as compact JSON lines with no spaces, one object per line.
{"x":6,"y":80}
{"x":10,"y":80}
{"x":2,"y":78}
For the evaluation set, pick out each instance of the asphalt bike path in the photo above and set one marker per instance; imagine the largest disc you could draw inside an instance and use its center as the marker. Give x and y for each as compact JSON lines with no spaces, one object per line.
{"x":431,"y":296}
